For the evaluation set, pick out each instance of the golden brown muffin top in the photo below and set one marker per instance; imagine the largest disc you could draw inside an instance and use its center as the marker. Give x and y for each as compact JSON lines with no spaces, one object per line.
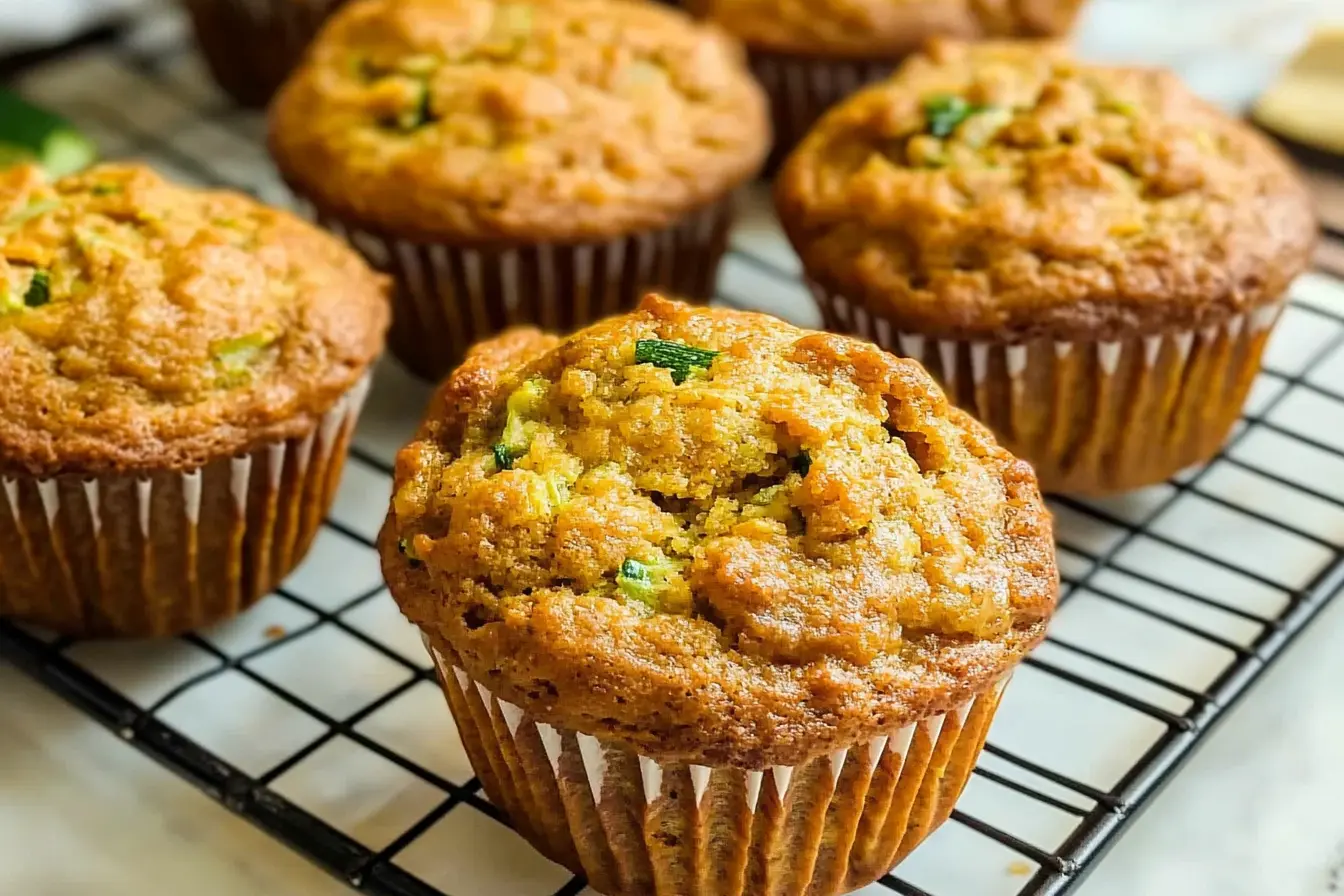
{"x":144,"y":325}
{"x":550,"y":120}
{"x":716,"y":536}
{"x":1007,"y":191}
{"x":881,"y":29}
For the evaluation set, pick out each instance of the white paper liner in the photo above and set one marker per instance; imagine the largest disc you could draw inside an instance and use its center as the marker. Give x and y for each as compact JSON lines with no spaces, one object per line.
{"x":129,"y":555}
{"x":802,"y":88}
{"x":251,"y":45}
{"x":1069,"y":406}
{"x":628,"y":820}
{"x":449,"y":298}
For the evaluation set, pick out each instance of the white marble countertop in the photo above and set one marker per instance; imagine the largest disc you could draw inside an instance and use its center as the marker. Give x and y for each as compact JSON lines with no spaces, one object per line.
{"x":1254,"y":812}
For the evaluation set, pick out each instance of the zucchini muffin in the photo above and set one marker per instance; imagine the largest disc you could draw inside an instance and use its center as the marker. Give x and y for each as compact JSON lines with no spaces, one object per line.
{"x":183,"y":370}
{"x":720,"y":605}
{"x":541,"y":162}
{"x":810,"y":54}
{"x":1089,"y":258}
{"x":251,"y":46}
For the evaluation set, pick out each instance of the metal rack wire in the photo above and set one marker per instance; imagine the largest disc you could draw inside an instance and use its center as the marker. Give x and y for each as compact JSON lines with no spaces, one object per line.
{"x":1176,"y":600}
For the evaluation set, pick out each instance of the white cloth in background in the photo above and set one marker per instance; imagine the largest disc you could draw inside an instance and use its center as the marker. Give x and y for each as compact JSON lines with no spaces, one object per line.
{"x":26,"y":24}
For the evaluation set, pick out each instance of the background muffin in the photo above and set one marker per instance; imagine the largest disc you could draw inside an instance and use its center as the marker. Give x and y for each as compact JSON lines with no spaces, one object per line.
{"x":182,"y":372}
{"x":717,"y":602}
{"x":521,"y":162}
{"x":810,"y":54}
{"x":251,"y":46}
{"x":1089,"y":258}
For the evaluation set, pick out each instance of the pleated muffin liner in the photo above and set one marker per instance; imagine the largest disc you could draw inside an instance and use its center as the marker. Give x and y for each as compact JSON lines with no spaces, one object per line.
{"x":159,"y":554}
{"x":638,"y":827}
{"x":251,"y":46}
{"x":802,"y":88}
{"x":1092,"y":416}
{"x":449,"y":297}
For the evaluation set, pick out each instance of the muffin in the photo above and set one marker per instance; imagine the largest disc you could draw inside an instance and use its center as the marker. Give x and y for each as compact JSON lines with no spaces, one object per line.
{"x":1089,"y":258}
{"x":515,"y":163}
{"x":810,"y":54}
{"x":183,"y":370}
{"x":720,"y":605}
{"x":251,"y":46}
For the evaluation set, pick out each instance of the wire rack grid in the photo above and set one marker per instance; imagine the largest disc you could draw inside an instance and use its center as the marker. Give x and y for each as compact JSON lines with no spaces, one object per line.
{"x":316,"y":715}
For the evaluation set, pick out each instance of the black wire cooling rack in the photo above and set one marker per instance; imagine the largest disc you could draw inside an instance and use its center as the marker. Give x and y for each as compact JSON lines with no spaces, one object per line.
{"x":316,"y":715}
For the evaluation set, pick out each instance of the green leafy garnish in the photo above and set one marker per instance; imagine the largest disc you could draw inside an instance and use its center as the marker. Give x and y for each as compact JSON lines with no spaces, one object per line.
{"x":106,"y":189}
{"x":945,"y":113}
{"x":677,"y":357}
{"x":33,"y":210}
{"x":235,"y":356}
{"x":802,"y":462}
{"x":39,"y":290}
{"x":504,"y":455}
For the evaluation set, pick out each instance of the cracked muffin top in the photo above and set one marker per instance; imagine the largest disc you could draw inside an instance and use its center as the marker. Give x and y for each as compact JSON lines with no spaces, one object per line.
{"x":883,"y":29}
{"x":1010,"y":191}
{"x":547,"y":120}
{"x":146,"y":326}
{"x":715,"y":535}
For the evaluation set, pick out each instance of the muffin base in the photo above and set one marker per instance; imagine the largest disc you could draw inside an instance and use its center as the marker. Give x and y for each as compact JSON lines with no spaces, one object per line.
{"x":447,"y":298}
{"x":133,"y":556}
{"x":637,"y":827}
{"x":250,"y":46}
{"x":802,"y":88}
{"x":1093,"y":417}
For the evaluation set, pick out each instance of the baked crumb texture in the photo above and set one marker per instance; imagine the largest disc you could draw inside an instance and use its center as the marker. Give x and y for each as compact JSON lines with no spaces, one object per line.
{"x":698,"y":582}
{"x":540,"y":162}
{"x":144,"y":326}
{"x":822,"y":548}
{"x":183,"y":371}
{"x":810,"y":55}
{"x":250,"y":46}
{"x":1089,"y":258}
{"x":489,"y":123}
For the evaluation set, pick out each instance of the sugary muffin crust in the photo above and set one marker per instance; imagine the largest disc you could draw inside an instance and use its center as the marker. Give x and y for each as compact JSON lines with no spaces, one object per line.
{"x":539,"y":121}
{"x":716,"y":536}
{"x":144,"y":326}
{"x":1006,"y":191}
{"x":878,"y":29}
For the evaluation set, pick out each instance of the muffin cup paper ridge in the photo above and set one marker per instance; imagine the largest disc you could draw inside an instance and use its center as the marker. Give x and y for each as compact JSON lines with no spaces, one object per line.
{"x":1092,"y":416}
{"x":639,"y":827}
{"x":152,"y":555}
{"x":449,"y":297}
{"x":250,"y":46}
{"x":802,"y":88}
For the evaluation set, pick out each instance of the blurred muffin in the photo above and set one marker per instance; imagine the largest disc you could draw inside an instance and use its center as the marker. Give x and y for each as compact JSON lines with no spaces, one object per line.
{"x":251,"y":46}
{"x":183,"y":372}
{"x":509,"y":163}
{"x":810,"y":54}
{"x":1089,"y":258}
{"x":720,"y":605}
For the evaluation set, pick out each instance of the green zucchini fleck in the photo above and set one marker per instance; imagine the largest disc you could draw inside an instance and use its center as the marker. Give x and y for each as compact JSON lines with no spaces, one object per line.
{"x":235,"y":356}
{"x":39,"y":290}
{"x":504,"y":456}
{"x":635,"y":582}
{"x":30,"y":134}
{"x":677,"y":357}
{"x":945,"y":112}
